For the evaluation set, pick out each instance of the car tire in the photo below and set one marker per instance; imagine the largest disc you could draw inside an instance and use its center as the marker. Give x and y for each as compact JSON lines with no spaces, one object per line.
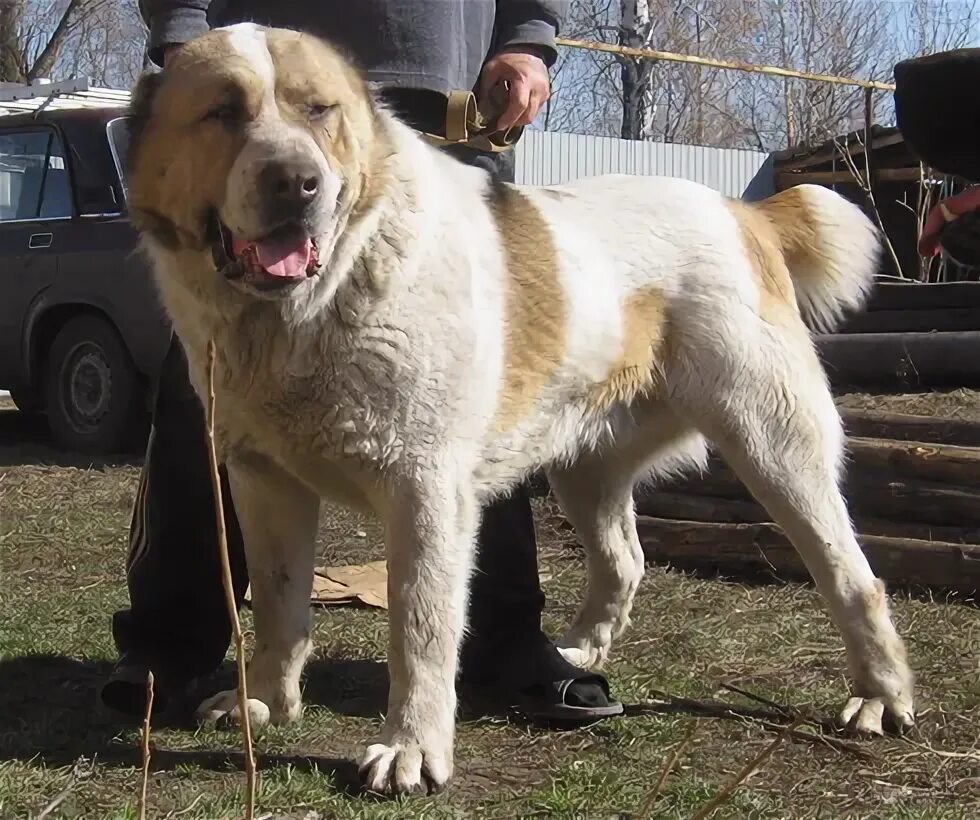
{"x":92,"y":390}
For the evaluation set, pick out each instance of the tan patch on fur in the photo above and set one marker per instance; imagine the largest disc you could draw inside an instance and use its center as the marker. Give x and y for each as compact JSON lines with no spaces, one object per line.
{"x":180,"y":165}
{"x":534,"y":305}
{"x":639,"y":371}
{"x":796,"y":231}
{"x":762,"y":242}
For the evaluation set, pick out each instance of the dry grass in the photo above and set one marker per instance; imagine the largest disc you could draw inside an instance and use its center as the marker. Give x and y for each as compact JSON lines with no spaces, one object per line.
{"x":62,"y":545}
{"x":952,"y":404}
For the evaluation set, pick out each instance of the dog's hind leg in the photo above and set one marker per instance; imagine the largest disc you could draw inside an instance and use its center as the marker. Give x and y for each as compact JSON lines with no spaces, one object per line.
{"x":768,"y":409}
{"x":596,"y":495}
{"x":430,"y":540}
{"x":279,"y":519}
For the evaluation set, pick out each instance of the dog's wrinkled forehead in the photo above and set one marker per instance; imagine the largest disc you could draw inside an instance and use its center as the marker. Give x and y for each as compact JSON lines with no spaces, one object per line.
{"x":255,"y":67}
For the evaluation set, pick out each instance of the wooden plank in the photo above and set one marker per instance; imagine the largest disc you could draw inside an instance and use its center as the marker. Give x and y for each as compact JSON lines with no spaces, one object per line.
{"x":948,"y":320}
{"x":919,"y":296}
{"x":787,"y":179}
{"x":907,"y":427}
{"x":763,"y":548}
{"x":906,"y":360}
{"x":870,"y":491}
{"x":869,"y":517}
{"x":917,"y":460}
{"x":856,"y":149}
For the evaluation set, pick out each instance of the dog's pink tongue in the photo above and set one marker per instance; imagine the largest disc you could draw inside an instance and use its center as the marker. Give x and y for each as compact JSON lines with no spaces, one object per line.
{"x":287,"y":257}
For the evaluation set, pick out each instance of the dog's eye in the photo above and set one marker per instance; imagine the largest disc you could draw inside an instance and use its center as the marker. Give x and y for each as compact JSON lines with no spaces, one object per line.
{"x":319,"y":111}
{"x":223,"y":113}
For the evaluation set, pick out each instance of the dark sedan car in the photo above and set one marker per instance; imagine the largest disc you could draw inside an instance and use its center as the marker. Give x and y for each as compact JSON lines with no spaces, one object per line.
{"x":82,"y":332}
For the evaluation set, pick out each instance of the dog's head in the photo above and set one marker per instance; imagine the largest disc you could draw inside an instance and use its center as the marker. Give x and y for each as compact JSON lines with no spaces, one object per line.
{"x":252,"y":148}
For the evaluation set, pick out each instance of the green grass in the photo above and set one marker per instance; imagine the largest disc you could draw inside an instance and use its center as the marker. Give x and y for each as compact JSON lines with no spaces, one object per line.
{"x":62,"y":547}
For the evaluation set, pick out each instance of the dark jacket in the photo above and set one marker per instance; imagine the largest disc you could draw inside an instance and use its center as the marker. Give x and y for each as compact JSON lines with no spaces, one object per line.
{"x":436,"y":45}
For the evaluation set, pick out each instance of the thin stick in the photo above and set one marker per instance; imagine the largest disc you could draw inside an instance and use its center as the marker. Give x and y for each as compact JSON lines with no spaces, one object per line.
{"x":146,"y":744}
{"x":786,"y":710}
{"x":219,"y":509}
{"x":744,"y":774}
{"x":681,"y":747}
{"x":732,"y":65}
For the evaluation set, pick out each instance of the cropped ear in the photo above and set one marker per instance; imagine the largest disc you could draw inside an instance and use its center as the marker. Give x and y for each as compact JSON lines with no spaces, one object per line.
{"x":141,"y":109}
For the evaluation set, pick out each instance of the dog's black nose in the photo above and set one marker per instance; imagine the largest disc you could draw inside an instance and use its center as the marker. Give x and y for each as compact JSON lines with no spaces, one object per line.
{"x":291,"y":186}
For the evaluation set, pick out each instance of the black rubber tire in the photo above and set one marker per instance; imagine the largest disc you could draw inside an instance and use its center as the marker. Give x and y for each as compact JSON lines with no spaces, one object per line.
{"x":92,"y":390}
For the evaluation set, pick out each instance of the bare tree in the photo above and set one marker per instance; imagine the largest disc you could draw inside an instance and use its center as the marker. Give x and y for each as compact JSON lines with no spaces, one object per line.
{"x":100,"y":39}
{"x":640,"y":99}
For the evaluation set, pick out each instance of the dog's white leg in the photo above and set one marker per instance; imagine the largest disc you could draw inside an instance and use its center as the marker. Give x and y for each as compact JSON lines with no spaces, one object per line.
{"x":430,"y":539}
{"x":774,"y":421}
{"x":596,"y":496}
{"x":279,"y":518}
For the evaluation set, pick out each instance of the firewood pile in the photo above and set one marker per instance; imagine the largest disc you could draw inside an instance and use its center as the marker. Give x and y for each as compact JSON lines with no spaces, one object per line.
{"x":912,"y":488}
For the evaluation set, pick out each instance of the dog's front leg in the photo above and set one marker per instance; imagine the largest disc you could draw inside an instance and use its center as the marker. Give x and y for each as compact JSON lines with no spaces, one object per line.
{"x":279,"y":518}
{"x":430,"y":539}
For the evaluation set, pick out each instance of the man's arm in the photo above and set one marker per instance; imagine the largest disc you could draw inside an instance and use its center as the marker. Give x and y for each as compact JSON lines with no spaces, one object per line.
{"x":525,"y":50}
{"x":531,"y":25}
{"x":173,"y":23}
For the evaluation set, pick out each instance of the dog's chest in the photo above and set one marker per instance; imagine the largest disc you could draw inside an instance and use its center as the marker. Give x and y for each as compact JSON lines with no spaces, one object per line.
{"x":304,"y":400}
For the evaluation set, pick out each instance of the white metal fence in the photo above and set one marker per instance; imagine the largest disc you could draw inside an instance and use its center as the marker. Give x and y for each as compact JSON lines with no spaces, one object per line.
{"x":552,"y":158}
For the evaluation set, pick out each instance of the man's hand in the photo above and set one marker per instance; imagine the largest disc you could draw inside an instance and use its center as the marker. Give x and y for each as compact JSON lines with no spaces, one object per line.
{"x":528,"y":85}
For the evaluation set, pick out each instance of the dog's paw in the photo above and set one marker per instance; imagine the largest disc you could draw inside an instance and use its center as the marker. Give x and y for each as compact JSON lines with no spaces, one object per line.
{"x":577,"y":656}
{"x":873,"y":715}
{"x":224,"y":707}
{"x":588,"y":651}
{"x":405,"y":768}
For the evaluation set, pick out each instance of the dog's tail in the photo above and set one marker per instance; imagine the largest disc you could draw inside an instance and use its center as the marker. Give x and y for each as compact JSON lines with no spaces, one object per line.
{"x":831,"y":249}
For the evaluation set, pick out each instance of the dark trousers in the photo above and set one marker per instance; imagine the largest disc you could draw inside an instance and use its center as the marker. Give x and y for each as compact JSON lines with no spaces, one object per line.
{"x":177,"y":620}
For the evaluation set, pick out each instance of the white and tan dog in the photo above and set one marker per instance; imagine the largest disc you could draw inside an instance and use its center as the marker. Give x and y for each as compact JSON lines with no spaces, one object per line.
{"x":398,"y":333}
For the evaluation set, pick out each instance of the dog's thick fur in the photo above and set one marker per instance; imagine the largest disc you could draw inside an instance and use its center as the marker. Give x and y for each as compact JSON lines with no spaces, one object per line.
{"x":461,"y":334}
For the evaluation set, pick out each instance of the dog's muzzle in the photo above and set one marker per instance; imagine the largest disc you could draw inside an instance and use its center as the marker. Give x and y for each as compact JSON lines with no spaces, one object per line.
{"x":280,"y":259}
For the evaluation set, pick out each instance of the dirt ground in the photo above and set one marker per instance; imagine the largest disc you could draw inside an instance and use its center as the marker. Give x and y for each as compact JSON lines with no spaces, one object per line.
{"x":63,"y":524}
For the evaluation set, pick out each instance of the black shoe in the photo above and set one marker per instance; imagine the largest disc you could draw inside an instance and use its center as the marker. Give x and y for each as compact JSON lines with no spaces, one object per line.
{"x":125,"y":691}
{"x":537,"y":681}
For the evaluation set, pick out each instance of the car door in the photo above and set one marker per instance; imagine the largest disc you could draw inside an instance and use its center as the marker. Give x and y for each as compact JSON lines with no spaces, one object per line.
{"x":35,"y":208}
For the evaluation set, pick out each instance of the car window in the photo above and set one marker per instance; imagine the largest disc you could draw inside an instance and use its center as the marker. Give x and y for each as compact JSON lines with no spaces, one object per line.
{"x":118,"y":131}
{"x":34,"y":180}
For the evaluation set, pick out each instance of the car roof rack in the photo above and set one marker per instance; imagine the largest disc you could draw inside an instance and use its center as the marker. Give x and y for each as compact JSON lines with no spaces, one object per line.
{"x":44,"y":95}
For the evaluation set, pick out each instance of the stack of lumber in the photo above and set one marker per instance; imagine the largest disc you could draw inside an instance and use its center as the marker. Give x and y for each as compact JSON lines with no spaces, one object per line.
{"x":912,"y":487}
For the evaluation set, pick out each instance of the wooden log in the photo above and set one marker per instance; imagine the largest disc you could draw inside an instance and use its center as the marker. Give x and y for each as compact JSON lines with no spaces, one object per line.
{"x":763,"y":548}
{"x":913,"y":321}
{"x":868,"y":518}
{"x":919,"y":501}
{"x":901,"y":461}
{"x":906,"y":360}
{"x":917,"y":460}
{"x":689,"y":507}
{"x":919,"y":296}
{"x":869,"y":493}
{"x":906,"y":427}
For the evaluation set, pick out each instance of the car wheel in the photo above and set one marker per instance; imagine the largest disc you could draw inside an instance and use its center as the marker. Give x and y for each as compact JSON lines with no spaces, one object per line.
{"x":92,"y":389}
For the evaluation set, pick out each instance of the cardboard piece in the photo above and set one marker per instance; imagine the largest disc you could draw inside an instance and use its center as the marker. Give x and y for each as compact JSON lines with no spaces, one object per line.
{"x":366,"y":584}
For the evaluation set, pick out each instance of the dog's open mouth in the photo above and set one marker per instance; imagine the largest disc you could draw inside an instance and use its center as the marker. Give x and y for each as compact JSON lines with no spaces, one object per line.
{"x":284,"y":257}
